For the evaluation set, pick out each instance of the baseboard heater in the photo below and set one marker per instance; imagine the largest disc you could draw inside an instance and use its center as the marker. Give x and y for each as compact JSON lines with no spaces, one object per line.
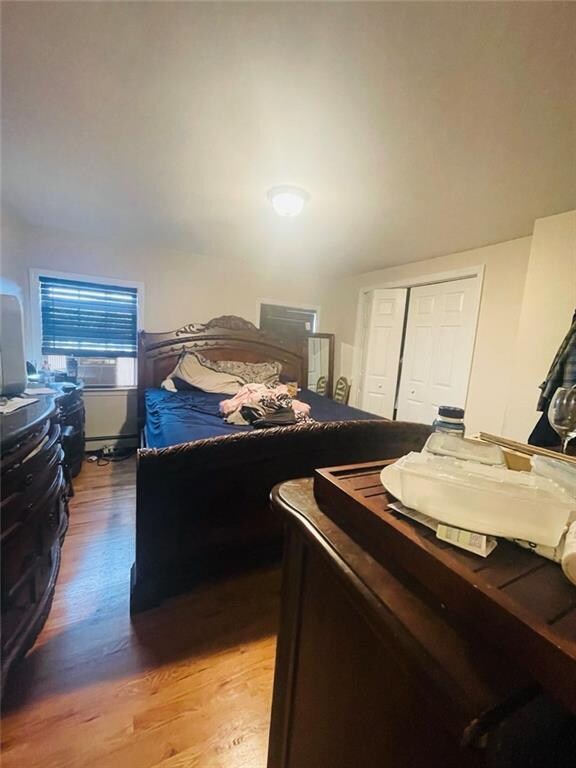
{"x":114,"y":441}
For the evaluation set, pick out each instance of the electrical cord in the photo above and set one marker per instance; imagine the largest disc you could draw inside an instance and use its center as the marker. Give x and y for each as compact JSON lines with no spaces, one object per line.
{"x":102,"y":460}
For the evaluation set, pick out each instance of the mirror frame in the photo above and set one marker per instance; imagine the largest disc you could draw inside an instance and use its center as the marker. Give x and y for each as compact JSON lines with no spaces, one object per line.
{"x":331,"y":346}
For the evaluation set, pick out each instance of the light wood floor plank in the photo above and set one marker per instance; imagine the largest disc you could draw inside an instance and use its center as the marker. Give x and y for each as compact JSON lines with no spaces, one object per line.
{"x":184,"y":685}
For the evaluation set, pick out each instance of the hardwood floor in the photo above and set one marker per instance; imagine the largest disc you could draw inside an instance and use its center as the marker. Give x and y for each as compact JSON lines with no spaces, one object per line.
{"x":186,"y":684}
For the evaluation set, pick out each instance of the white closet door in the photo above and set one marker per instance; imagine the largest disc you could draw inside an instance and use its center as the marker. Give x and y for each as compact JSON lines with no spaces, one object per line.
{"x":440,"y":333}
{"x":385,"y":323}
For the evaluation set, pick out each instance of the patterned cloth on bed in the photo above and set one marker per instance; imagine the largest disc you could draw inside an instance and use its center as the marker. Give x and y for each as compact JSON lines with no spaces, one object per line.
{"x":256,"y":402}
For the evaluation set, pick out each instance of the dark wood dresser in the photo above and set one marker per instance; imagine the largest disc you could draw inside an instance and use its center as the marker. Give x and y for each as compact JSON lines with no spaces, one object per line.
{"x":34,"y":519}
{"x":73,"y":419}
{"x":382,"y":662}
{"x":70,"y":402}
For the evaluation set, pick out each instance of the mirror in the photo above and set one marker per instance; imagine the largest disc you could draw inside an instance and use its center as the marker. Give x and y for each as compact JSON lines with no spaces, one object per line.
{"x":321,"y":363}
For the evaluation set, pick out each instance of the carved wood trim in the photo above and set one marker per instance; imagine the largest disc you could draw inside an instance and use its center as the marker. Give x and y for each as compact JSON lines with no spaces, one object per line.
{"x":233,"y":323}
{"x":227,"y":333}
{"x":226,"y":322}
{"x":190,"y":329}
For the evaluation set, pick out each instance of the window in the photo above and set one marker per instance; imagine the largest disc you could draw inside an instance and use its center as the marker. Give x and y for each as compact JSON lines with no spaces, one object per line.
{"x":290,"y":323}
{"x":92,"y":321}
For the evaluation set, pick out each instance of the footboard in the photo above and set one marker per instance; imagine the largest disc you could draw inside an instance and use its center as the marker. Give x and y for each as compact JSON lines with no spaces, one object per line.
{"x":203,"y":507}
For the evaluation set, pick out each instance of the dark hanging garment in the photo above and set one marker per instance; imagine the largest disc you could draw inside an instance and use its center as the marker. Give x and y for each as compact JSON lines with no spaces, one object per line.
{"x":543,"y":435}
{"x":562,"y":373}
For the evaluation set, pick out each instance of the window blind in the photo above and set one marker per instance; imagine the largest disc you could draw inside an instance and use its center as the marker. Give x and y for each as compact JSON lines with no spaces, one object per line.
{"x":88,"y":319}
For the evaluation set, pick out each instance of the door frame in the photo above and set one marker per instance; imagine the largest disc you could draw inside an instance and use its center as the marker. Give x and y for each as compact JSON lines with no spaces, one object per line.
{"x":428,"y":278}
{"x":296,"y":305}
{"x":331,"y":348}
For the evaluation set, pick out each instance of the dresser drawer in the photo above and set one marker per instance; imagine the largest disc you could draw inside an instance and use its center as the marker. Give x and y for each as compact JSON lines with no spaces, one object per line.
{"x":16,"y":614}
{"x":31,"y":538}
{"x":18,"y":453}
{"x":19,"y":477}
{"x":34,"y":485}
{"x":33,"y":520}
{"x":74,"y":413}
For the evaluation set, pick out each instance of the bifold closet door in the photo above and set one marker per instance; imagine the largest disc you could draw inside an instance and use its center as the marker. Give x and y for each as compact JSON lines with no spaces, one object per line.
{"x":383,"y":331}
{"x":440,"y":333}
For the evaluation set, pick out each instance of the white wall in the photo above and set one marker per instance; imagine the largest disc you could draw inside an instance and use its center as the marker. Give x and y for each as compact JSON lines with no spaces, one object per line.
{"x":179,"y":288}
{"x":548,"y":304}
{"x":529,"y":295}
{"x":11,"y":274}
{"x":111,"y":418}
{"x":528,"y":299}
{"x":504,"y":273}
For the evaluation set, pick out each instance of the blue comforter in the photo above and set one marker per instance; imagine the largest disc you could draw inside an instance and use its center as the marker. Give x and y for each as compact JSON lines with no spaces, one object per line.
{"x":180,"y":417}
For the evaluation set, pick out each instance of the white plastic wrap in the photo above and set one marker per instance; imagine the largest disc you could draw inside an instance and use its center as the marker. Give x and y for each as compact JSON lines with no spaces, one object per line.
{"x":486,"y":499}
{"x":564,"y":553}
{"x":563,"y":473}
{"x":550,"y":553}
{"x":444,"y":444}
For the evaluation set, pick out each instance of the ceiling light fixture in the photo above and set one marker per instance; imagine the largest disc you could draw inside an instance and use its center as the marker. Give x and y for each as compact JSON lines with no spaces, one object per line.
{"x":288,"y":201}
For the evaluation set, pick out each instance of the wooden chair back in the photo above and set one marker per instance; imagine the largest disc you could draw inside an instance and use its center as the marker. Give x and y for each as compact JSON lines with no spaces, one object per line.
{"x":322,"y":385}
{"x":342,"y":390}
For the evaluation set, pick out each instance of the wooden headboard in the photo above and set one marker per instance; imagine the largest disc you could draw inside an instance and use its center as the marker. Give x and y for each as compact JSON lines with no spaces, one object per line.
{"x":224,"y":338}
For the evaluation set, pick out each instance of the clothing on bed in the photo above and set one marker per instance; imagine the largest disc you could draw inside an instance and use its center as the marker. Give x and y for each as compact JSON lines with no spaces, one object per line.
{"x":283,"y":417}
{"x":254,"y":402}
{"x":180,"y":417}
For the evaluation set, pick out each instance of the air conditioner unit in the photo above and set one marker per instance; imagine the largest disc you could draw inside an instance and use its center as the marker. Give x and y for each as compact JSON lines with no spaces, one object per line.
{"x":97,"y":372}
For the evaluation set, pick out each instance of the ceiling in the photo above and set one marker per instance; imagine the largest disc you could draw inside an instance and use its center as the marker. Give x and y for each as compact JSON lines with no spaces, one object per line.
{"x":417,"y":128}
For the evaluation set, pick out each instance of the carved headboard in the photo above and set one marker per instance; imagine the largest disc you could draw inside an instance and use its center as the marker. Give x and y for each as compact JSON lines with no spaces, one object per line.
{"x":223,"y":338}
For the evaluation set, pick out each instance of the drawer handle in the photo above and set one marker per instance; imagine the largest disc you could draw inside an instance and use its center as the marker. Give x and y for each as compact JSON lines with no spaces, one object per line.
{"x":28,"y":479}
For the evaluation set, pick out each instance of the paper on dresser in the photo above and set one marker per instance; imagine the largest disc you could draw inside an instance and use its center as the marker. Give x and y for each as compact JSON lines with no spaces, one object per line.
{"x":478,"y":543}
{"x":15,"y":403}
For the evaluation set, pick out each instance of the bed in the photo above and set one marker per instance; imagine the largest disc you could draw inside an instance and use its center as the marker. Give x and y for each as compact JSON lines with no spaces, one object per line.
{"x":180,"y":417}
{"x":203,"y":486}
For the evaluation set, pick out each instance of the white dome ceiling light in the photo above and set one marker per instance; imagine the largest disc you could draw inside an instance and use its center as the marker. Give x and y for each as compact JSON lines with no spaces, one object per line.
{"x":288,"y":201}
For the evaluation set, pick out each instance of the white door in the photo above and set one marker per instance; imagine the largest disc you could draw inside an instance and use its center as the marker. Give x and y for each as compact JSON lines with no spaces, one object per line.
{"x":385,"y":323}
{"x":440,"y":333}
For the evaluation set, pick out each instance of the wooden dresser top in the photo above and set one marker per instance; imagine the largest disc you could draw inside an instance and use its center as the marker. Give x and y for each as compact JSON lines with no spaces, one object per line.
{"x":15,"y":425}
{"x":520,"y":604}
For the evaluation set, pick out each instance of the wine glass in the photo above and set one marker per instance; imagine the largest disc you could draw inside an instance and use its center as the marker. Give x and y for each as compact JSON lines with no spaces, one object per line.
{"x":562,"y":414}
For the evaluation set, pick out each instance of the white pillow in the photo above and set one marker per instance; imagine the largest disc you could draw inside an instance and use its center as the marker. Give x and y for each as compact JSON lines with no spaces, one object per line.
{"x":225,"y":376}
{"x":193,"y":369}
{"x":168,"y":385}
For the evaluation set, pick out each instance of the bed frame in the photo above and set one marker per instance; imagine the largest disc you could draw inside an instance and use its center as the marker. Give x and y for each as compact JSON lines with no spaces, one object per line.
{"x":227,"y":337}
{"x":202,"y":508}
